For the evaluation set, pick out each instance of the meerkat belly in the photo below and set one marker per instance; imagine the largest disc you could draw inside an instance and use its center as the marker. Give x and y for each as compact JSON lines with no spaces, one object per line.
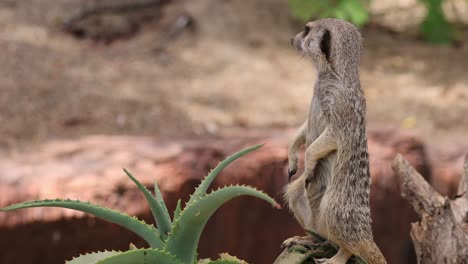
{"x":316,"y":190}
{"x":322,"y":173}
{"x":342,"y":206}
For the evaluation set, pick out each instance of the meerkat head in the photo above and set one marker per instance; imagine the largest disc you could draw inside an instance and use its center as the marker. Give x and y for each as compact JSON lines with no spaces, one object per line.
{"x":331,"y":44}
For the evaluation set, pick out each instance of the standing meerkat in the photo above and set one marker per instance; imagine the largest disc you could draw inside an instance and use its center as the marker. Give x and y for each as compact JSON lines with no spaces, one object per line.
{"x":332,"y":196}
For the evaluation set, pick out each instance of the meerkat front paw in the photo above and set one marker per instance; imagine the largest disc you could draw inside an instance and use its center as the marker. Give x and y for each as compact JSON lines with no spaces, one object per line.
{"x":292,"y":170}
{"x":292,"y":161}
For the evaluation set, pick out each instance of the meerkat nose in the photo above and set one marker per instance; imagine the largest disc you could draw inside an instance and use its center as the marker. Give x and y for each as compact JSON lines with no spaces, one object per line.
{"x":292,"y":41}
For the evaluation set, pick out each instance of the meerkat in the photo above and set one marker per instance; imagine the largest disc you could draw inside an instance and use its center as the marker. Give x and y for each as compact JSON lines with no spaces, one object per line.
{"x":331,"y":197}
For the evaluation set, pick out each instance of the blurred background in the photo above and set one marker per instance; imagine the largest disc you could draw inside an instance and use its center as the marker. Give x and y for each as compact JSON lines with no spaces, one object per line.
{"x":170,"y":87}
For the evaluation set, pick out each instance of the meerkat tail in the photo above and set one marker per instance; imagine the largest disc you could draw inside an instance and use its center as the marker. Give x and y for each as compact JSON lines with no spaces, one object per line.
{"x":368,"y":250}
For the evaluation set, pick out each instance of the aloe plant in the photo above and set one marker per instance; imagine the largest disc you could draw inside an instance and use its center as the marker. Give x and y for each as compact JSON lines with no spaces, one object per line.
{"x":173,"y":241}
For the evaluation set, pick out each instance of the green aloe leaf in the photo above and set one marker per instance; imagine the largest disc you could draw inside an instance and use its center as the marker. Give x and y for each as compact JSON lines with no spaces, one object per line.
{"x":149,"y":233}
{"x":162,"y":218}
{"x":142,"y":256}
{"x":159,"y":197}
{"x":177,"y":210}
{"x":205,"y":183}
{"x":92,"y":258}
{"x":186,"y":229}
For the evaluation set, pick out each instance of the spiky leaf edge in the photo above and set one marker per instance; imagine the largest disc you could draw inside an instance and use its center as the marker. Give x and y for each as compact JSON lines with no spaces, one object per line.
{"x":206,"y":182}
{"x":186,"y":229}
{"x":148,"y":232}
{"x":160,"y":216}
{"x":161,"y":201}
{"x":92,"y":258}
{"x":177,"y":210}
{"x":142,"y":256}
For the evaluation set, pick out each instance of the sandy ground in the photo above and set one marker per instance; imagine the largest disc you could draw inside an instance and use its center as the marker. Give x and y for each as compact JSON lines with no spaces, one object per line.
{"x":234,"y":70}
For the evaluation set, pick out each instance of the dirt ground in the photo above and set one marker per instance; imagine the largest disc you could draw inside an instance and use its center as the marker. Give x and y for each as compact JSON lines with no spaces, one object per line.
{"x":233,"y":69}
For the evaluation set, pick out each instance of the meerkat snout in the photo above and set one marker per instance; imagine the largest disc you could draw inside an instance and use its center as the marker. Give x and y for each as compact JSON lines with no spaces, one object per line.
{"x":331,"y":43}
{"x":314,"y":41}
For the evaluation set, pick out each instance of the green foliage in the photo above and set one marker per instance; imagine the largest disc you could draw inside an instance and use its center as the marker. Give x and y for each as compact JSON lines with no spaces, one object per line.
{"x":172,"y":242}
{"x":435,"y":28}
{"x":354,"y":11}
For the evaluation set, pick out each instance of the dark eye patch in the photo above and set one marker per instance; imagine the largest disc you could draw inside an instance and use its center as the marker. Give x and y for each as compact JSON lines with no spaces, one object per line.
{"x":325,"y":44}
{"x":306,"y":30}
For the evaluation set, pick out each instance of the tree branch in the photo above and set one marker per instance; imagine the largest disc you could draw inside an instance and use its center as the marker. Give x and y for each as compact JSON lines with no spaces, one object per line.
{"x":118,"y":8}
{"x":423,"y":198}
{"x":463,"y":185}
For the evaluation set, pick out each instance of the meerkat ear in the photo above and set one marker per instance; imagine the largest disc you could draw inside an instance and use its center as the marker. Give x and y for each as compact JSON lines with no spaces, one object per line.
{"x":325,"y":44}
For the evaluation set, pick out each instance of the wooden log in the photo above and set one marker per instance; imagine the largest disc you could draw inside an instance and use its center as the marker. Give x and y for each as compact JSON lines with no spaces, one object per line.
{"x":442,"y":234}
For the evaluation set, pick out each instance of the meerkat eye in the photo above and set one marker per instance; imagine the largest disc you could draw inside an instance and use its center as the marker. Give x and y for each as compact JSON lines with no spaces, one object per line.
{"x":306,"y":30}
{"x":325,"y":44}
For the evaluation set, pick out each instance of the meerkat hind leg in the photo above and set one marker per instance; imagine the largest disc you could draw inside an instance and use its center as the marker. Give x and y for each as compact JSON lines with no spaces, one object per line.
{"x":320,"y":148}
{"x":296,"y":142}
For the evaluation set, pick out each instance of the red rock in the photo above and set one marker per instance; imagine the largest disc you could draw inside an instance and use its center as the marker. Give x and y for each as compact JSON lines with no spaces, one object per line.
{"x":391,"y":213}
{"x":448,"y":165}
{"x":90,"y":169}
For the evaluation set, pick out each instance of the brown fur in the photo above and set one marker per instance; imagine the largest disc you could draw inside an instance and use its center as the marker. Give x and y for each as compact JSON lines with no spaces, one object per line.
{"x":332,"y":196}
